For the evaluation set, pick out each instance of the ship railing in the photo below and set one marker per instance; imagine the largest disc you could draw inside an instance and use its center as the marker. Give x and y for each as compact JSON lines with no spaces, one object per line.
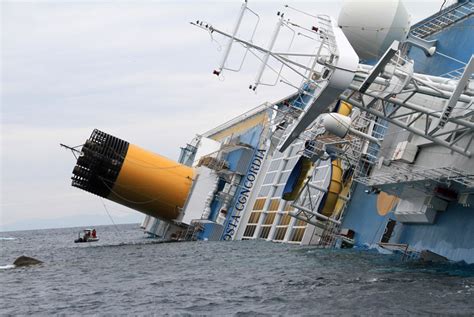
{"x":246,"y":115}
{"x":443,"y":19}
{"x":456,"y":74}
{"x":309,"y":199}
{"x":403,"y":248}
{"x":283,"y":116}
{"x":440,"y":174}
{"x":355,"y":151}
{"x":213,"y":163}
{"x":191,"y":232}
{"x":325,"y":24}
{"x":348,"y":149}
{"x":306,"y":209}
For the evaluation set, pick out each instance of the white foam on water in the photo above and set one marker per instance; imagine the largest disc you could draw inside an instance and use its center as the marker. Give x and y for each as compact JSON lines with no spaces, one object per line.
{"x":7,"y":238}
{"x":6,"y":267}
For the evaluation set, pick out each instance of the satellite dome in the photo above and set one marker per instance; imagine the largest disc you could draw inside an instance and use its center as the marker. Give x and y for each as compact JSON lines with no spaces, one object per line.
{"x":371,"y":26}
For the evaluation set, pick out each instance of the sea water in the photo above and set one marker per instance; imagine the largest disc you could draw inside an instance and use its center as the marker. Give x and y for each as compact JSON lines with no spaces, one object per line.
{"x":127,"y":273}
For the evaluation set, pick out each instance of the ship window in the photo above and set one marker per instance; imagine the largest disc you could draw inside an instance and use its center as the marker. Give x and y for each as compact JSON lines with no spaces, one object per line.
{"x":283,"y":177}
{"x":284,"y":164}
{"x":295,"y":149}
{"x":274,"y":165}
{"x":292,"y":162}
{"x":249,"y":231}
{"x":280,"y":234}
{"x":297,"y":234}
{"x":277,"y":155}
{"x":274,"y":205}
{"x":265,"y":190}
{"x":279,"y":191}
{"x":288,"y":206}
{"x":270,"y":218}
{"x":285,"y":220}
{"x":299,"y":223}
{"x":269,"y":178}
{"x":254,"y":216}
{"x":264,"y":233}
{"x":259,"y":204}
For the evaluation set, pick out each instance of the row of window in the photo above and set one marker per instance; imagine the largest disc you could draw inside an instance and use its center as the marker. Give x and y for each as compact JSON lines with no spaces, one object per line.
{"x":269,"y":221}
{"x":268,"y":208}
{"x":280,"y":232}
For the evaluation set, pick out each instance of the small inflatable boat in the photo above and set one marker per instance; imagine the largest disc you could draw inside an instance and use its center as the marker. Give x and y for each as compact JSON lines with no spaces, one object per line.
{"x":87,"y":235}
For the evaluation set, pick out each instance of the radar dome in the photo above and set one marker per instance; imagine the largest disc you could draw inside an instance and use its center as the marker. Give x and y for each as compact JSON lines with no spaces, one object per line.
{"x":371,"y":26}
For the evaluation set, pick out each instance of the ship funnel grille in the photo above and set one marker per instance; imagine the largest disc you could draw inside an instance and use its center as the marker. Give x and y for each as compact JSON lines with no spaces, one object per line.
{"x":99,"y":164}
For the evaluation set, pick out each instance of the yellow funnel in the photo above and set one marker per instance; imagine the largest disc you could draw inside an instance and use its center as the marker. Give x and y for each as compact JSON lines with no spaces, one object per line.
{"x":131,"y":176}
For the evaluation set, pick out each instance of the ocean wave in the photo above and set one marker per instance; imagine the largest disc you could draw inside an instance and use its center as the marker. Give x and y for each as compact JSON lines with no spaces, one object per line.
{"x":7,"y":238}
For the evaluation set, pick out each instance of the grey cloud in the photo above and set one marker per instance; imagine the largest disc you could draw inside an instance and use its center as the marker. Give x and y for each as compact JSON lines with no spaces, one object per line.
{"x":137,"y":70}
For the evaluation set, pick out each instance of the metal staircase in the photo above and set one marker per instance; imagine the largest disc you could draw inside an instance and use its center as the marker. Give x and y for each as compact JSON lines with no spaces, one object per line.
{"x":443,"y":19}
{"x":329,"y":235}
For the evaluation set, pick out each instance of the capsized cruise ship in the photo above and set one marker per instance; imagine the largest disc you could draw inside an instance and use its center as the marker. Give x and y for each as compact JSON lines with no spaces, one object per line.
{"x":372,"y":150}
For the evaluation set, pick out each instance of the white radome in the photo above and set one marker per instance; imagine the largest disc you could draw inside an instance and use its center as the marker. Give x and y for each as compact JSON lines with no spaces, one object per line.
{"x":371,"y":26}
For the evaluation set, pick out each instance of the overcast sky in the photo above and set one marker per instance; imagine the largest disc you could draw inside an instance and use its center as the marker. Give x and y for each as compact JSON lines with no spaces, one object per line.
{"x":137,"y":70}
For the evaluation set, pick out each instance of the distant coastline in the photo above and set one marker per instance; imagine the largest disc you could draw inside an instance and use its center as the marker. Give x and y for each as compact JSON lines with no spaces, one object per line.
{"x":69,"y":222}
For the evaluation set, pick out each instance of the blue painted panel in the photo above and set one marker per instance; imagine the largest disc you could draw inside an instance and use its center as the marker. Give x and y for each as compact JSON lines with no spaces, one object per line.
{"x":452,"y":235}
{"x":456,"y":41}
{"x":294,"y":175}
{"x":216,"y":204}
{"x":233,"y":159}
{"x":362,"y":217}
{"x":209,"y":231}
{"x":252,"y":136}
